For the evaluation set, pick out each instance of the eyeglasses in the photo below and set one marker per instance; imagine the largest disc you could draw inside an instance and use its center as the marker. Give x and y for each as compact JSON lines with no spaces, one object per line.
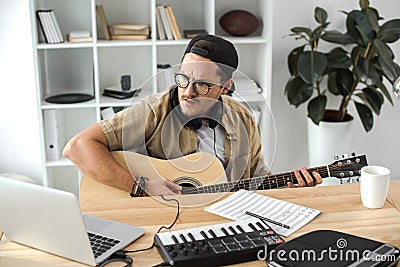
{"x":200,"y":87}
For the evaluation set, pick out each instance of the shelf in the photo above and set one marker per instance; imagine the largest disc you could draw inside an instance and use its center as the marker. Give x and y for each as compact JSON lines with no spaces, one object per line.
{"x":42,"y":46}
{"x":106,"y":101}
{"x":62,"y":162}
{"x":113,"y":43}
{"x":87,"y":104}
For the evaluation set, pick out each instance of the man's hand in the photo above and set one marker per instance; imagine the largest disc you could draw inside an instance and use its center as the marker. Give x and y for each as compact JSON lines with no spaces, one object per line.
{"x":306,"y":179}
{"x":161,"y":186}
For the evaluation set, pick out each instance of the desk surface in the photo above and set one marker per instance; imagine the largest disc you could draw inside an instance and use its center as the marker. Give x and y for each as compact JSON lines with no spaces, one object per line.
{"x":340,"y":205}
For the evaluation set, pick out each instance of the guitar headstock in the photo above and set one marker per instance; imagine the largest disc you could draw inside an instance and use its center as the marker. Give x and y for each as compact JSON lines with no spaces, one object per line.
{"x":348,"y":167}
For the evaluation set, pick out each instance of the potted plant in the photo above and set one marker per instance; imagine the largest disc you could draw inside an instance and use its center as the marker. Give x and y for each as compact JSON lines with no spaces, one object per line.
{"x":354,"y":69}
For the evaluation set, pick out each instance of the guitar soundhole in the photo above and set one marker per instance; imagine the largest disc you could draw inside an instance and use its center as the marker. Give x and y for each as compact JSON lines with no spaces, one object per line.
{"x":186,"y":185}
{"x":187,"y":182}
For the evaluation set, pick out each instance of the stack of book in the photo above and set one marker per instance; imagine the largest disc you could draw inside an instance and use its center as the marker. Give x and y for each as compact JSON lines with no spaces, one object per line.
{"x":130,"y":31}
{"x":167,"y":26}
{"x":122,"y":31}
{"x":51,"y":29}
{"x":79,"y":37}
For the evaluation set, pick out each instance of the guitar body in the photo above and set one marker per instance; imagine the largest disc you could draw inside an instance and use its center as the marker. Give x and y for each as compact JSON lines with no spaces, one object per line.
{"x":193,"y":170}
{"x":203,"y":173}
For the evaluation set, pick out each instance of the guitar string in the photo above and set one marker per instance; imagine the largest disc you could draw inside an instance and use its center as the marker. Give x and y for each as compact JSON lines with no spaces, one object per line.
{"x":263,"y":181}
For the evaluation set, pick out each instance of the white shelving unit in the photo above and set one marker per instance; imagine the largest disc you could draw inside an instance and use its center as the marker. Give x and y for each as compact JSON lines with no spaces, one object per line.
{"x":91,"y":67}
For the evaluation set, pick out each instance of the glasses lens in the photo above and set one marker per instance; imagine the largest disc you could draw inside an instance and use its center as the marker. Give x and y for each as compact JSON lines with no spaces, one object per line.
{"x":181,"y":80}
{"x":201,"y":88}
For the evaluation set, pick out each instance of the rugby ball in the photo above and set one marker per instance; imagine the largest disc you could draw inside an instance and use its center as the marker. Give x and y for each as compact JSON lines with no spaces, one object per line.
{"x":239,"y":22}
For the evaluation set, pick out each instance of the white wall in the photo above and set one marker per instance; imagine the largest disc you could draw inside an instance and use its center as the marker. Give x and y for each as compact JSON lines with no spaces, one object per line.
{"x":19,"y":130}
{"x":381,"y":144}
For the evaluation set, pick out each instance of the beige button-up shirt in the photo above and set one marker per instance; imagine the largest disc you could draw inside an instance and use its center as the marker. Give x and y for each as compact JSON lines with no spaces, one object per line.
{"x":149,"y":128}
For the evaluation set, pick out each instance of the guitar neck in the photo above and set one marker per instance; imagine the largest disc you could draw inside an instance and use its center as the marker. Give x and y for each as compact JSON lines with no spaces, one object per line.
{"x":271,"y":181}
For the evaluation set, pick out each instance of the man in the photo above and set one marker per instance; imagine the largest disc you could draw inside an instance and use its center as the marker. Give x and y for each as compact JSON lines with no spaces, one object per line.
{"x":179,"y":121}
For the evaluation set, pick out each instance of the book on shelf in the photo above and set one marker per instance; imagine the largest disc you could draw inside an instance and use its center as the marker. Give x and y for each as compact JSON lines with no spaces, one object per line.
{"x":79,"y":37}
{"x":130,"y":29}
{"x":190,"y":33}
{"x":55,"y":24}
{"x":164,"y":19}
{"x":160,"y":26}
{"x":103,"y":21}
{"x":173,"y":23}
{"x":79,"y":34}
{"x":50,"y":27}
{"x":129,"y":37}
{"x":122,"y":31}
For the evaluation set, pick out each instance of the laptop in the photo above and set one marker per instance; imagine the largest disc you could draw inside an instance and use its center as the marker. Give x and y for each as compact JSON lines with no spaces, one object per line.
{"x":51,"y":220}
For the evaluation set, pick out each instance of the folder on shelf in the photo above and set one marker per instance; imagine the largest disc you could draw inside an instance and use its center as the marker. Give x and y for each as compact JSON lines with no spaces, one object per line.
{"x":53,"y":134}
{"x":165,"y":76}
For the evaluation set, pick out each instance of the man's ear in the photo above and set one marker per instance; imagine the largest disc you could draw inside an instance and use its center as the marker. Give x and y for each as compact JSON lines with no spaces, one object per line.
{"x":227,"y":86}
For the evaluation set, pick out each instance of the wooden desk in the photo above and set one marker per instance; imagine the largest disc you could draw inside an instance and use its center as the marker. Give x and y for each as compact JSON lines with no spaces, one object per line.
{"x":340,"y":205}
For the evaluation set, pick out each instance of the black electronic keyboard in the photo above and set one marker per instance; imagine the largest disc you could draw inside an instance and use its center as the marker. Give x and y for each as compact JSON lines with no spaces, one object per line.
{"x":217,"y":244}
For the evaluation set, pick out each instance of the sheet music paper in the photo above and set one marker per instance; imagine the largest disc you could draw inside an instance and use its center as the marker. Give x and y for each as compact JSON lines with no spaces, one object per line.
{"x":294,"y":215}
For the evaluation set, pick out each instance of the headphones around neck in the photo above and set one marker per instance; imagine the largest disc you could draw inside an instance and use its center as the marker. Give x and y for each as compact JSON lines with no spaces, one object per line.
{"x":195,"y":123}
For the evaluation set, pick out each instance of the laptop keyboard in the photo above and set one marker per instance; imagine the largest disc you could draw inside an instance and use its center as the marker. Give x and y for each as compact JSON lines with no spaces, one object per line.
{"x":101,"y":244}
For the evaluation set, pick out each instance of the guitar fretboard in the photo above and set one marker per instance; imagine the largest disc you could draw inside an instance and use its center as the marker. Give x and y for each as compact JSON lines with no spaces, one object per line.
{"x":271,"y":181}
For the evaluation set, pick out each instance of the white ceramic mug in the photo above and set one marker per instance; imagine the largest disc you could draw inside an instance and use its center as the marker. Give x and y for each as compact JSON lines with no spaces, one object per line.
{"x":374,"y":185}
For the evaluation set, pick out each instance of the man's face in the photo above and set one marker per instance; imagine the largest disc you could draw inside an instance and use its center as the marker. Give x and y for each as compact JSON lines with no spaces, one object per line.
{"x":198,"y":68}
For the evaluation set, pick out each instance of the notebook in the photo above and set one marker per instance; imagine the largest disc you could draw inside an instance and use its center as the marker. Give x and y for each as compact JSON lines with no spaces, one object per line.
{"x":50,"y":220}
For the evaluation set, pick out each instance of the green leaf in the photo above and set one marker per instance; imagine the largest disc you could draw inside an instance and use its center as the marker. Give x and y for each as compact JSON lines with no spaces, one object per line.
{"x":298,"y":91}
{"x":385,"y":91}
{"x":364,"y":4}
{"x":364,"y":99}
{"x":332,"y":83}
{"x":359,"y":28}
{"x":299,"y":30}
{"x":316,"y":108}
{"x":292,"y":59}
{"x":338,"y":58}
{"x":311,"y":66}
{"x":389,"y":35}
{"x":374,"y":98}
{"x":320,"y":15}
{"x":318,"y":31}
{"x":391,"y":24}
{"x":365,"y":115}
{"x":337,"y":38}
{"x":372,"y":17}
{"x":367,"y":72}
{"x":385,"y":58}
{"x":344,"y":81}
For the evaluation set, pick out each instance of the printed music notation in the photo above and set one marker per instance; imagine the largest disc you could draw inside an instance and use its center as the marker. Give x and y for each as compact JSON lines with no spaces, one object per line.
{"x":287,"y":213}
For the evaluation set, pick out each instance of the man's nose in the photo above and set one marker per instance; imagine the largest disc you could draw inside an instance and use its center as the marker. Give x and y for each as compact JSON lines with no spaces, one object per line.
{"x":190,"y":90}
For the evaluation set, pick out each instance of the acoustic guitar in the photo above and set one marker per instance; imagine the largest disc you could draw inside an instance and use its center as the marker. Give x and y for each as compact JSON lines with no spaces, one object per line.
{"x":200,"y":173}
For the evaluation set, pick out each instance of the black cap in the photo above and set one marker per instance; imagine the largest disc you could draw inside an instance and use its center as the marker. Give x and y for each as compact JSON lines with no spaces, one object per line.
{"x":223,"y":53}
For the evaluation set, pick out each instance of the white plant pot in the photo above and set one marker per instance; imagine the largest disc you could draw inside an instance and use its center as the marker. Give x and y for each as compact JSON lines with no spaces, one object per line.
{"x":327,"y":140}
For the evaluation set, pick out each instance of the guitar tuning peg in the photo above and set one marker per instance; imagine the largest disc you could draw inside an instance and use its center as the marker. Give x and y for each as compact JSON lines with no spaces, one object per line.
{"x":353,"y":154}
{"x":345,"y":155}
{"x":336,"y":157}
{"x":350,"y":180}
